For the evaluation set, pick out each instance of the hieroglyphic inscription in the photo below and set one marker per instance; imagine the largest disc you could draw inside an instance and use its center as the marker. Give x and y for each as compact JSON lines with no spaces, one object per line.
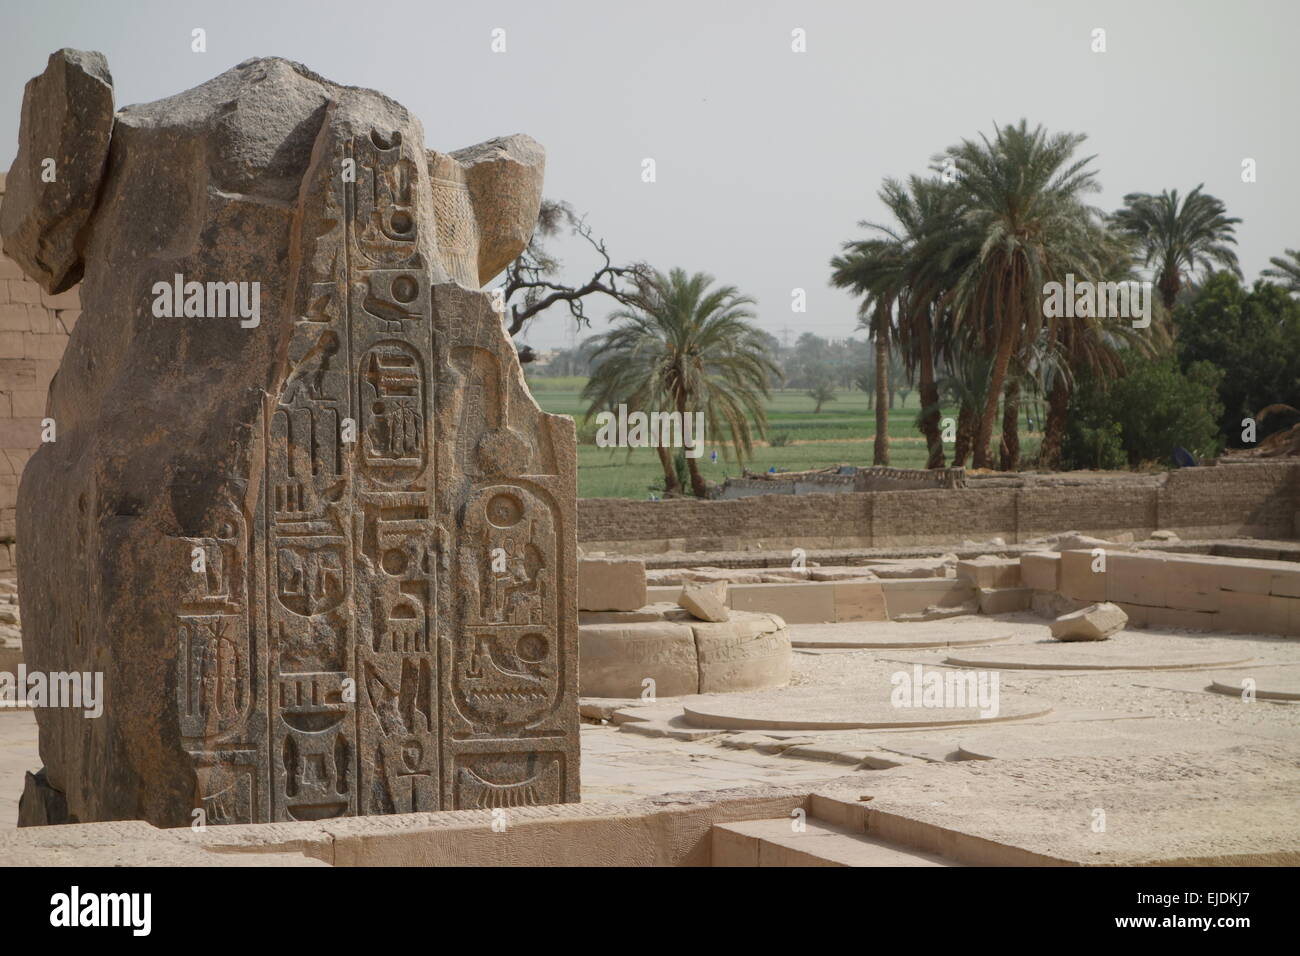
{"x":395,"y":639}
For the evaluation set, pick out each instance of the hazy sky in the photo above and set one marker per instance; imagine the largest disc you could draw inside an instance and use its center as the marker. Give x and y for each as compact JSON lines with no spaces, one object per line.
{"x":766,"y":159}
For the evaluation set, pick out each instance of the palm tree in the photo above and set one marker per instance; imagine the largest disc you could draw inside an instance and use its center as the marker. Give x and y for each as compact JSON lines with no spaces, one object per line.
{"x":876,"y":270}
{"x":1287,"y":270}
{"x":1179,"y":238}
{"x":685,"y":347}
{"x":902,"y":267}
{"x":1021,"y":224}
{"x":1096,"y":345}
{"x":966,"y":381}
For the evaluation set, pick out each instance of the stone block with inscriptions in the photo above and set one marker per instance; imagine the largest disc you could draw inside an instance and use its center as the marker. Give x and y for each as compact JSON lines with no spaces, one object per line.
{"x":323,"y":551}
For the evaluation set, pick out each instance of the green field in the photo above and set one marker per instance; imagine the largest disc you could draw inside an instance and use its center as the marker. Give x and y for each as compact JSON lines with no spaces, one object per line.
{"x":841,"y":434}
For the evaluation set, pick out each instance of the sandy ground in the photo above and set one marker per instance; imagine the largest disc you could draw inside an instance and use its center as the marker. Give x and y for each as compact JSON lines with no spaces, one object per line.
{"x":1179,"y":772}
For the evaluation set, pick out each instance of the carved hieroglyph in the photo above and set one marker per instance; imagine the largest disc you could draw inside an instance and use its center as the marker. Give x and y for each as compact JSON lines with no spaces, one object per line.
{"x":384,"y":619}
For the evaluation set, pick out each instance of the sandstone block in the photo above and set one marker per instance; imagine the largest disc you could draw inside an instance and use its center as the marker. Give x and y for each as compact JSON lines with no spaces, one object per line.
{"x":1191,"y":583}
{"x":749,"y":652}
{"x":1004,"y":600}
{"x":1097,"y":622}
{"x":1246,"y":613}
{"x":611,"y":584}
{"x":1245,"y":575}
{"x":1079,"y":580}
{"x":24,"y":292}
{"x":1040,"y":570}
{"x":1137,"y":577}
{"x":812,"y":603}
{"x":14,"y":318}
{"x":1286,"y":582}
{"x":990,"y":572}
{"x":618,"y":658}
{"x":859,"y":601}
{"x":915,"y":596}
{"x":705,"y":601}
{"x":1177,"y":619}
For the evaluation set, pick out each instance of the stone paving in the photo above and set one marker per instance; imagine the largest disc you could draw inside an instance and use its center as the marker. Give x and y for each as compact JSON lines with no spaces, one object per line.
{"x":1099,"y":720}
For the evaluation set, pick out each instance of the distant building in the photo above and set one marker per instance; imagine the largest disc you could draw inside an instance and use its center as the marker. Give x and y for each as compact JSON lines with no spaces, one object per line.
{"x":840,"y":479}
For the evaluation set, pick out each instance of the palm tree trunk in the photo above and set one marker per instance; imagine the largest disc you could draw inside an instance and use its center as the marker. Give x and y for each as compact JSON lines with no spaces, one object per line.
{"x":965,"y":429}
{"x":698,"y":486}
{"x":1002,"y":361}
{"x":671,"y":487}
{"x":1011,"y":427}
{"x":1058,"y":405}
{"x":1170,"y":283}
{"x":880,"y":454}
{"x":929,"y":393}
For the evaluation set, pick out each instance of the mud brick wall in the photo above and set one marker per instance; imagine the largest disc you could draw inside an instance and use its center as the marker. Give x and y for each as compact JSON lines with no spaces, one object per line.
{"x":1115,"y":505}
{"x":1255,"y":500}
{"x":901,"y":518}
{"x":34,"y":329}
{"x":1241,"y":500}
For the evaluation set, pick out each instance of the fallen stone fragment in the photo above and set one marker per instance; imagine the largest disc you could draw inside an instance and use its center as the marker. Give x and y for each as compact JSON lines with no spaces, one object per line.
{"x":940,"y":612}
{"x":705,"y":601}
{"x":1096,"y":622}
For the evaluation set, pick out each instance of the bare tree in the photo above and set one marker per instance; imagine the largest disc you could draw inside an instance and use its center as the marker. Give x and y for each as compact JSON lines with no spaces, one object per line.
{"x":530,"y":286}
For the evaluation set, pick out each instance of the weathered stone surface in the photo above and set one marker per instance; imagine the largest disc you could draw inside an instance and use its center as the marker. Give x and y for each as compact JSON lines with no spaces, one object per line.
{"x":384,"y":619}
{"x":1040,"y":570}
{"x":749,"y":652}
{"x":1004,"y":600}
{"x":705,"y":601}
{"x":990,"y":571}
{"x":1097,"y":622}
{"x":50,"y":191}
{"x":618,"y":659}
{"x":485,"y":205}
{"x":941,"y":612}
{"x":41,"y":805}
{"x":611,"y":584}
{"x":680,"y":654}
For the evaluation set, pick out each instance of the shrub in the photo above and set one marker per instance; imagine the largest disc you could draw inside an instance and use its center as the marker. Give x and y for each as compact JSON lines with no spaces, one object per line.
{"x":1143,"y":415}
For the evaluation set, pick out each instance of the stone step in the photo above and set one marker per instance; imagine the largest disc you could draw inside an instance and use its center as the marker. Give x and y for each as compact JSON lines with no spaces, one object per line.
{"x":776,"y":843}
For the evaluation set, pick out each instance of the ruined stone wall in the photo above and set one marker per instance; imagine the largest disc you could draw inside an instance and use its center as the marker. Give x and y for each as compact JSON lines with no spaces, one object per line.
{"x":34,"y":328}
{"x":1255,"y":500}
